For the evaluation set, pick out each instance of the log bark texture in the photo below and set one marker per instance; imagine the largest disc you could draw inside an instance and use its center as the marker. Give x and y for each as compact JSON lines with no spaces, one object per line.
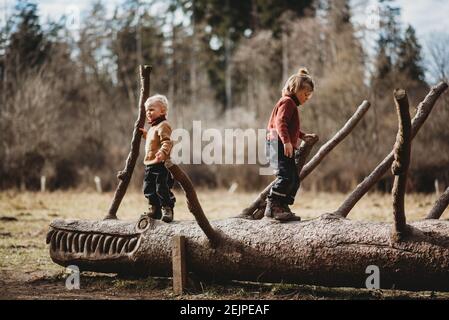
{"x":324,"y":251}
{"x":423,"y":111}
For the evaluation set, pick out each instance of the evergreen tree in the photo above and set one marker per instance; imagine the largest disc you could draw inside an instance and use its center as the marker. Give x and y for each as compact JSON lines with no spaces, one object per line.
{"x":409,"y":57}
{"x":28,"y":46}
{"x":387,"y":44}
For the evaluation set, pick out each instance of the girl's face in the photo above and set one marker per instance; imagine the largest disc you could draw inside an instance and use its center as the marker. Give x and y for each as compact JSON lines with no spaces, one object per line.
{"x":304,"y":94}
{"x":154,"y":111}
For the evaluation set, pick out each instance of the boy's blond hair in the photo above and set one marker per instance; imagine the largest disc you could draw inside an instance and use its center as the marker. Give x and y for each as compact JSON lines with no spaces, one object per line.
{"x":157,"y":98}
{"x":297,"y":82}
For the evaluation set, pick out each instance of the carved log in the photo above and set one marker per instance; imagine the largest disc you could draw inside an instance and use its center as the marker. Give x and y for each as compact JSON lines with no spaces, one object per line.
{"x":401,"y":163}
{"x":125,"y":175}
{"x":324,"y":251}
{"x":440,"y":205}
{"x":423,"y":111}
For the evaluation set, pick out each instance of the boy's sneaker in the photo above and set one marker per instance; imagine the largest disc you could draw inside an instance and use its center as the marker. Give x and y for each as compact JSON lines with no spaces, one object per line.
{"x":154,"y":212}
{"x":167,"y":214}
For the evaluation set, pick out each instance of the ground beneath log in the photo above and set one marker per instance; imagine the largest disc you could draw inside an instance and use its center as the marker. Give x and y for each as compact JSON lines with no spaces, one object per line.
{"x":111,"y":287}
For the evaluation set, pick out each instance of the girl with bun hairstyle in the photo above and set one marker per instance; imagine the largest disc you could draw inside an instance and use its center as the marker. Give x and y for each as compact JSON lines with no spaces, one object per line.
{"x":283,"y":137}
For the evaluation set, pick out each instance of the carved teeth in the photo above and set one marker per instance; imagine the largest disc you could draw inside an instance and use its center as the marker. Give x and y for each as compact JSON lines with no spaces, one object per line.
{"x":82,"y":241}
{"x":120,"y":244}
{"x":69,"y":241}
{"x":100,"y":244}
{"x":90,"y":244}
{"x":75,"y":243}
{"x":112,"y":248}
{"x":132,"y":244}
{"x":53,"y":240}
{"x":95,"y":239}
{"x":49,"y":236}
{"x":63,"y":242}
{"x":106,"y":244}
{"x":125,"y":246}
{"x":59,"y":234}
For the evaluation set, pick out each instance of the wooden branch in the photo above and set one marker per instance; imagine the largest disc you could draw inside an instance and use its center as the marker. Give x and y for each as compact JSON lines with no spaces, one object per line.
{"x":125,"y":175}
{"x":423,"y":111}
{"x":336,"y":139}
{"x":401,"y":163}
{"x":440,"y":205}
{"x":193,"y":203}
{"x":257,"y":208}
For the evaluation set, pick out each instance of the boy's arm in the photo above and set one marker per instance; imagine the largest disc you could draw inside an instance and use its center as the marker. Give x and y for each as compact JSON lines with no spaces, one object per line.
{"x":284,"y":114}
{"x":165,"y":137}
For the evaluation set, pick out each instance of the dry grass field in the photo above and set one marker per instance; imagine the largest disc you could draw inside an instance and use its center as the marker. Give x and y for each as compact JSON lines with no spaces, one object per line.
{"x":26,"y":271}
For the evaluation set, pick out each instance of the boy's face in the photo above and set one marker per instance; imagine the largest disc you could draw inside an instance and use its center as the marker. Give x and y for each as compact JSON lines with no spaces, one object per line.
{"x":154,"y":111}
{"x":304,"y":94}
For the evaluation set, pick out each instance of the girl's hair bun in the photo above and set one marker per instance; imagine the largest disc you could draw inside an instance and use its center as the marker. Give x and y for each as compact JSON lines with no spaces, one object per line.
{"x":303,"y":71}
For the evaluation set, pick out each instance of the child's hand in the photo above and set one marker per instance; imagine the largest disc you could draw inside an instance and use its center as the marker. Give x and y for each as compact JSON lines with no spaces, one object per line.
{"x":288,"y":150}
{"x":144,"y":132}
{"x":160,"y":156}
{"x":310,"y":137}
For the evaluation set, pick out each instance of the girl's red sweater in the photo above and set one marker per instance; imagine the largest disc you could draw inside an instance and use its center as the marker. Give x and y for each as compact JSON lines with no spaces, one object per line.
{"x":284,"y":121}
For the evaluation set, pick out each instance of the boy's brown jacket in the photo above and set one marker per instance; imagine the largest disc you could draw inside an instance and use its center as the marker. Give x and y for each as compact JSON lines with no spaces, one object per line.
{"x":158,"y":139}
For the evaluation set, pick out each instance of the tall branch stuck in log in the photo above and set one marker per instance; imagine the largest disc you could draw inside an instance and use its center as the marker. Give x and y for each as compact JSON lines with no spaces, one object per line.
{"x":257,"y":208}
{"x":336,"y":139}
{"x":193,"y":204}
{"x":125,"y":175}
{"x":440,"y":205}
{"x":401,"y":163}
{"x":423,"y":111}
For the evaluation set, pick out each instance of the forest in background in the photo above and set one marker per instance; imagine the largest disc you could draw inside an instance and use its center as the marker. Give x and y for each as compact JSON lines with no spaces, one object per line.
{"x":69,"y":99}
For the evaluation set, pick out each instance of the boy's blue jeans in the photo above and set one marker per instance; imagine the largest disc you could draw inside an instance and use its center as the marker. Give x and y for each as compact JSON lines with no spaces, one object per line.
{"x":157,"y":183}
{"x":287,"y":181}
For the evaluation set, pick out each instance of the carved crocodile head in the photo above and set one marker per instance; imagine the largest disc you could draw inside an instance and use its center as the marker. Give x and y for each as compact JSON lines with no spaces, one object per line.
{"x":104,"y":246}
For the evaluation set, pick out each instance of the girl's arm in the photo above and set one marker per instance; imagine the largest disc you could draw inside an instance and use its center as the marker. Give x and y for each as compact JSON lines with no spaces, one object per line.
{"x":284,"y":114}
